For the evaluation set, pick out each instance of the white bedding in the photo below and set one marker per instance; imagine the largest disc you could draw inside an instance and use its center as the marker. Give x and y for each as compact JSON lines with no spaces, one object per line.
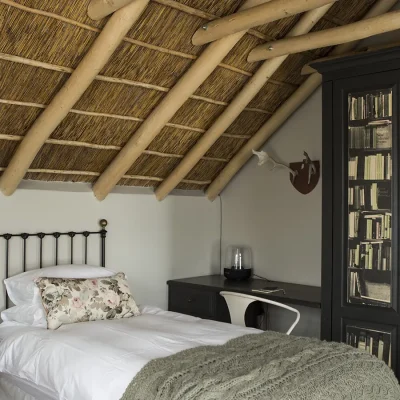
{"x":12,"y":388}
{"x":97,"y":360}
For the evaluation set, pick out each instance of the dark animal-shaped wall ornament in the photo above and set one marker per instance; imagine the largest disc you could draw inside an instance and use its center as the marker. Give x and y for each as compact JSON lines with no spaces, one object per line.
{"x":304,"y":175}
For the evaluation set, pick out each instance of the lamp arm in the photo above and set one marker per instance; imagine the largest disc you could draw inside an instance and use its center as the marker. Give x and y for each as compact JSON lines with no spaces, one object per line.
{"x":263,"y":158}
{"x":276,"y":164}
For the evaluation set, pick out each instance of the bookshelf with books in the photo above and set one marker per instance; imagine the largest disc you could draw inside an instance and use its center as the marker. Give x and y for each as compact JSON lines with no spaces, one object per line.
{"x":360,"y":243}
{"x":369,"y":272}
{"x":374,"y":342}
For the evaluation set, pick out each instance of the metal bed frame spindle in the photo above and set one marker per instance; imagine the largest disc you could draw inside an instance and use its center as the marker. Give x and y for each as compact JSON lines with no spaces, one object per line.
{"x":25,"y":236}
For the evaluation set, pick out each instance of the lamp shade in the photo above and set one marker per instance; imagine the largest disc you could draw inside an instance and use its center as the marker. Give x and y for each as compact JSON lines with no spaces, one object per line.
{"x":238,"y":257}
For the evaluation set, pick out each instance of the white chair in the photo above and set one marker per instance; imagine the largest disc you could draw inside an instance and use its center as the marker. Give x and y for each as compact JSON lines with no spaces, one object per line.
{"x":238,"y":303}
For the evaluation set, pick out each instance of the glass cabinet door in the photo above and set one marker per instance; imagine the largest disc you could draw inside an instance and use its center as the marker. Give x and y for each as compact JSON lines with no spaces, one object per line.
{"x":369,"y":142}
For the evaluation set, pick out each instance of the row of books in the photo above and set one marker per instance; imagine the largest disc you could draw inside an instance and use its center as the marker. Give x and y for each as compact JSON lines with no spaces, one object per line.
{"x":377,"y":105}
{"x":375,"y":256}
{"x":370,"y":197}
{"x":373,"y":167}
{"x":370,"y":137}
{"x":368,"y":292}
{"x":354,"y":285}
{"x":373,"y":342}
{"x":370,"y":226}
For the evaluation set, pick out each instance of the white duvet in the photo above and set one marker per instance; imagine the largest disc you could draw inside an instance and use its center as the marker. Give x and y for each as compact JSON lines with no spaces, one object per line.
{"x":97,"y":360}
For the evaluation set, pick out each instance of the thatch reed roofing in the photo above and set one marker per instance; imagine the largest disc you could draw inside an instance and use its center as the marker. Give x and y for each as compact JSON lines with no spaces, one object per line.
{"x":42,"y":42}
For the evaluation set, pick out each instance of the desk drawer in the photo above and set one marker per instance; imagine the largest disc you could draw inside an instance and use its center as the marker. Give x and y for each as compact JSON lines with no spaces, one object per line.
{"x":194,"y":302}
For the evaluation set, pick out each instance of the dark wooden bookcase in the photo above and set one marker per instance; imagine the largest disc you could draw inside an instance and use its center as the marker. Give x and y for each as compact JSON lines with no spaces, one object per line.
{"x":360,"y":240}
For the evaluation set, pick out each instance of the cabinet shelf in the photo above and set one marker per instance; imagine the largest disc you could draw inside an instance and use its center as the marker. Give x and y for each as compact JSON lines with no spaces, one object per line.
{"x":366,"y":210}
{"x":367,"y":270}
{"x":370,"y":121}
{"x":356,"y":151}
{"x":372,"y":302}
{"x":357,"y":239}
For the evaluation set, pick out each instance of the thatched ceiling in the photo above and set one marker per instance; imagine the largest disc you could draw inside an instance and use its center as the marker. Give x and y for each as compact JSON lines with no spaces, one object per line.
{"x":43,"y":41}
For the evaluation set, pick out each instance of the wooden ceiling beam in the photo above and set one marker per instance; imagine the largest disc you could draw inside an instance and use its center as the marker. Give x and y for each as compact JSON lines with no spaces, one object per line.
{"x":259,"y":15}
{"x":239,"y":103}
{"x":96,"y":58}
{"x":199,"y":71}
{"x":328,"y":37}
{"x":283,"y":113}
{"x":75,"y":143}
{"x":99,"y":9}
{"x":208,"y":16}
{"x":96,"y":174}
{"x":122,"y":117}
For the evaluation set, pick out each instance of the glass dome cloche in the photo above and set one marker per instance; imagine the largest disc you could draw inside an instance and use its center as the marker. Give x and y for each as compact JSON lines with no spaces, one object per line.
{"x":238,"y":262}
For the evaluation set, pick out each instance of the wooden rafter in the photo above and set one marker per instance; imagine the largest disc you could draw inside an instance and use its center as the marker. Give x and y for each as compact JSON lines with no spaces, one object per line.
{"x":246,"y":19}
{"x":118,"y":116}
{"x":91,"y":173}
{"x":207,"y":16}
{"x":328,"y":37}
{"x":140,"y":43}
{"x":99,"y":9}
{"x":98,"y":55}
{"x":75,"y":143}
{"x":305,"y":24}
{"x":283,"y":113}
{"x":120,"y":81}
{"x":200,"y":70}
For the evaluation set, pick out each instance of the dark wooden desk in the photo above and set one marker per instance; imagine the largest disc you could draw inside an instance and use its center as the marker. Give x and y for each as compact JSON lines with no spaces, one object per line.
{"x":200,"y":297}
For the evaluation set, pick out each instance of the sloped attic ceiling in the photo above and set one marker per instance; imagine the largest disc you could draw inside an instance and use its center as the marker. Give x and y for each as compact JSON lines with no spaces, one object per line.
{"x":42,"y":42}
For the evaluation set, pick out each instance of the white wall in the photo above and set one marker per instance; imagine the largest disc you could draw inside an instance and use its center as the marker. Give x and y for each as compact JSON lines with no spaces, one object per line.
{"x":148,"y":240}
{"x":261,"y":209}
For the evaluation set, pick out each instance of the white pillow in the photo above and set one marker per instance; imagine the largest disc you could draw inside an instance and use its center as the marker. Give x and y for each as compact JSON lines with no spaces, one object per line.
{"x":28,"y":314}
{"x":21,"y":288}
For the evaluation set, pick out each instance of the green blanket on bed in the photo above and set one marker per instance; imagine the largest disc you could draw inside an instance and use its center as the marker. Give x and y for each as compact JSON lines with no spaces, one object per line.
{"x":266,"y":366}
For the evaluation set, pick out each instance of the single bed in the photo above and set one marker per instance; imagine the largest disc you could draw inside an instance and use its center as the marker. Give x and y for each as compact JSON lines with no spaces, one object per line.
{"x":114,"y":351}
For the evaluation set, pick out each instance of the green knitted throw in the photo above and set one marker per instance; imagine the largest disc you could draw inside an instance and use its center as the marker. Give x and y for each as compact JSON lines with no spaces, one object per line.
{"x":268,"y":366}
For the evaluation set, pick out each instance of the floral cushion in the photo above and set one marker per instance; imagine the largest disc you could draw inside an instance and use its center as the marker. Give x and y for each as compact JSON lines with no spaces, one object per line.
{"x":78,"y":300}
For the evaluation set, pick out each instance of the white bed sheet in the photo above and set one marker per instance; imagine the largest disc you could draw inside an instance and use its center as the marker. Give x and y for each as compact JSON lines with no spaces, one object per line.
{"x":12,"y":388}
{"x":97,"y":360}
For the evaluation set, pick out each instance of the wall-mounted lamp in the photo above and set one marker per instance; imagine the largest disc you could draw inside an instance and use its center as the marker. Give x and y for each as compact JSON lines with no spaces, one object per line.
{"x":304,"y":175}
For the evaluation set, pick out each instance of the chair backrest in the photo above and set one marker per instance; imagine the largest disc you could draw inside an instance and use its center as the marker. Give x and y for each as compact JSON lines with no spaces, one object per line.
{"x":238,"y":303}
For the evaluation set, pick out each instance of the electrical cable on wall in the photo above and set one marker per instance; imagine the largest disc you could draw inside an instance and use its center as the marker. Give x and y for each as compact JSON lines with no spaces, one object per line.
{"x":220,"y":236}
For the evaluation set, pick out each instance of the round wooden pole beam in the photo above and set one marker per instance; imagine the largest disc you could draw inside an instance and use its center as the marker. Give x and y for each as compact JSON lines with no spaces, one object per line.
{"x":259,"y":15}
{"x":284,"y":112}
{"x":239,"y":103}
{"x":358,"y":30}
{"x":91,"y":65}
{"x":99,"y":9}
{"x":199,"y":71}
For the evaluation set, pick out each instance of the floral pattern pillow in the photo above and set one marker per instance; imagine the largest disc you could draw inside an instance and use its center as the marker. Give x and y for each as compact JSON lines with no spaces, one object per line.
{"x":67,"y":301}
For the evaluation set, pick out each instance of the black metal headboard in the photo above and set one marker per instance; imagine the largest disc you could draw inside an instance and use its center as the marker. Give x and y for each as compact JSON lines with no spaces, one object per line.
{"x":7,"y":237}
